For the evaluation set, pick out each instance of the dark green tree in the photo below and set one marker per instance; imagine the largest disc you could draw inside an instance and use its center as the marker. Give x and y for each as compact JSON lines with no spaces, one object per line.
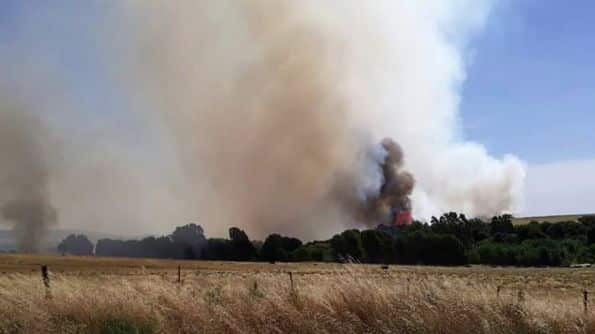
{"x":501,"y":224}
{"x":218,"y":249}
{"x":272,"y":249}
{"x":377,"y":246}
{"x":76,"y":244}
{"x":591,"y":236}
{"x":243,"y":249}
{"x":189,"y":241}
{"x":279,"y":248}
{"x":347,"y":246}
{"x":423,"y":247}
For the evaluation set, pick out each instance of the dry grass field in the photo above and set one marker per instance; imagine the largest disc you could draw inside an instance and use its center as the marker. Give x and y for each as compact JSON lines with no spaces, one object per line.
{"x":107,"y":295}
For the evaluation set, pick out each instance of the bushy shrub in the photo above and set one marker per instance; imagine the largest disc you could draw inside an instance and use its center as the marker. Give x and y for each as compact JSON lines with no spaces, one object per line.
{"x":126,"y":326}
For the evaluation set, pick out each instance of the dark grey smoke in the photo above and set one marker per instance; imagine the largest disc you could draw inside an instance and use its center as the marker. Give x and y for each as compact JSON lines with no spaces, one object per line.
{"x":24,"y":198}
{"x":243,"y":113}
{"x":398,"y":184}
{"x":395,"y":191}
{"x":386,"y":191}
{"x":31,"y":215}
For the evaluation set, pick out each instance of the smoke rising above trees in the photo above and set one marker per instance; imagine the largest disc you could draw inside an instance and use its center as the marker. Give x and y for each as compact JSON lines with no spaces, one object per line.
{"x":269,"y":116}
{"x":451,"y":239}
{"x":275,"y":109}
{"x":25,"y":204}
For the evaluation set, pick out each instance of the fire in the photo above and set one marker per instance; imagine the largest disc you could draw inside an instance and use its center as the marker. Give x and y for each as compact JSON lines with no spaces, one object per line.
{"x":403,"y":218}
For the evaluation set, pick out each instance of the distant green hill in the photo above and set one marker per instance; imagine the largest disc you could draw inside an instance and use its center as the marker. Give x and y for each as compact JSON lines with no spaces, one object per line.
{"x":549,"y":219}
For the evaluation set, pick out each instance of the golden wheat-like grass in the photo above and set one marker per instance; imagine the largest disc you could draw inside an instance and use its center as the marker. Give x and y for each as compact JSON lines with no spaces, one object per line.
{"x":352,"y":300}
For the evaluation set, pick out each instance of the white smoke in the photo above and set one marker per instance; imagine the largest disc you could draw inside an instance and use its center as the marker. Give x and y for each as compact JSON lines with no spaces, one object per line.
{"x":393,"y":68}
{"x":259,"y":111}
{"x":409,"y":69}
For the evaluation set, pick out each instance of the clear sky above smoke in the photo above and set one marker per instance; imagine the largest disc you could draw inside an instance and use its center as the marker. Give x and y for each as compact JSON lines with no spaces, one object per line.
{"x":529,"y":90}
{"x":533,"y":64}
{"x":526,"y":91}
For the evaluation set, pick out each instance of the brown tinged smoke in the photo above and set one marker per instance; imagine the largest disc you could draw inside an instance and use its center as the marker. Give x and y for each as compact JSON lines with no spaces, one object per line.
{"x":264,"y":116}
{"x":256,"y":114}
{"x":24,"y":200}
{"x":272,"y":105}
{"x":264,"y":131}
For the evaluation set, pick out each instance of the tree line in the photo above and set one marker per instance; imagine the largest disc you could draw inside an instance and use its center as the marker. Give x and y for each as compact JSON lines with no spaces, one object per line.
{"x":449,"y":240}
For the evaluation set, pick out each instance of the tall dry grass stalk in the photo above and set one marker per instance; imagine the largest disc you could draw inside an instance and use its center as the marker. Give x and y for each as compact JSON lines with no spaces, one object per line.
{"x":355,"y":300}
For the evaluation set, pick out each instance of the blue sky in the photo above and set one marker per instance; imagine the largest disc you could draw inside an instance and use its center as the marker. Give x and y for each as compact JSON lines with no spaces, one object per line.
{"x":62,"y":34}
{"x":530,"y":87}
{"x":529,"y":91}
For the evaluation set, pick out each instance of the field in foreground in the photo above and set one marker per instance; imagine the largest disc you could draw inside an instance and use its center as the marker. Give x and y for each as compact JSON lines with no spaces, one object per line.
{"x":104,"y":295}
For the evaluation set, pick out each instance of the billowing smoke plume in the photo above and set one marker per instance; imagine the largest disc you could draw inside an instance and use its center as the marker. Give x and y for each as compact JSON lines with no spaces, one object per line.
{"x":273,"y":103}
{"x":24,"y":197}
{"x":266,"y":115}
{"x":262,"y":107}
{"x":381,"y":190}
{"x":398,"y":185}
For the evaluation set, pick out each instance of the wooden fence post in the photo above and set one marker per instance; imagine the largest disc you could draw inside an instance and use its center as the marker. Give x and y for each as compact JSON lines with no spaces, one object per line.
{"x":179,"y":274}
{"x":498,"y":289}
{"x":45,"y":276}
{"x":291,"y":281}
{"x":586,"y":301}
